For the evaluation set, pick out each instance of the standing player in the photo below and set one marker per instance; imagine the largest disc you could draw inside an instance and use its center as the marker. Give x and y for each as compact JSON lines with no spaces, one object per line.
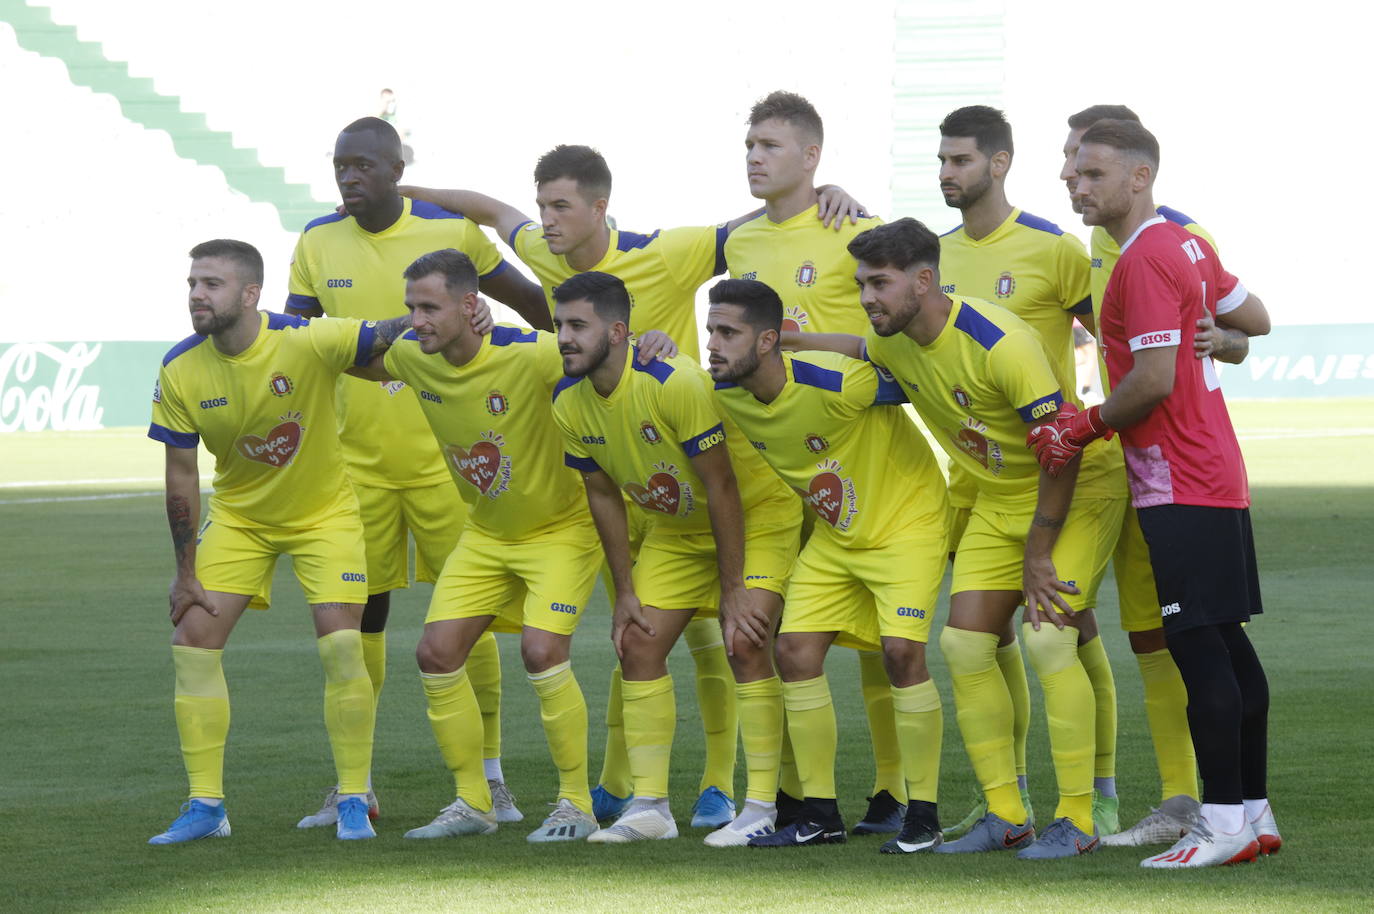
{"x":662,"y":272}
{"x":350,"y":265}
{"x":527,"y":558}
{"x":258,"y":389}
{"x":869,"y":575}
{"x":1225,"y":338}
{"x":1038,"y":272}
{"x":787,"y":249}
{"x":1188,"y":482}
{"x":717,"y":539}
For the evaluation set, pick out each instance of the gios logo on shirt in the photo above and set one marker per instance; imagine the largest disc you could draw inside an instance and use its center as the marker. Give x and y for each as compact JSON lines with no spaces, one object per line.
{"x":832,"y":495}
{"x":482,"y":464}
{"x":664,"y":492}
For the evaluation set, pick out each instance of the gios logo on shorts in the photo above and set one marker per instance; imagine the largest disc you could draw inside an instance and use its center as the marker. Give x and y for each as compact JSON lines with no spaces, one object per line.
{"x":911,"y":611}
{"x":569,"y":608}
{"x":1169,"y":609}
{"x":353,"y":577}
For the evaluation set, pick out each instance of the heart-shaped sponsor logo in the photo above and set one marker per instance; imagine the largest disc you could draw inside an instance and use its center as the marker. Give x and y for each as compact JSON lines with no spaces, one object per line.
{"x":662,"y":494}
{"x":276,"y":449}
{"x":826,"y":496}
{"x":478,"y":465}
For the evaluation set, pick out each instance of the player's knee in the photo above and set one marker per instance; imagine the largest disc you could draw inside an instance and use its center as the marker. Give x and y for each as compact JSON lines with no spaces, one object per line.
{"x":796,"y":660}
{"x":750,"y":660}
{"x":1147,"y":642}
{"x":539,"y":654}
{"x":434,"y":656}
{"x":905,"y":661}
{"x":1050,"y":649}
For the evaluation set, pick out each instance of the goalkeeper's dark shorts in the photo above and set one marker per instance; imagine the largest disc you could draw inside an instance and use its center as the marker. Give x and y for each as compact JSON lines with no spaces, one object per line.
{"x":1204,"y":565}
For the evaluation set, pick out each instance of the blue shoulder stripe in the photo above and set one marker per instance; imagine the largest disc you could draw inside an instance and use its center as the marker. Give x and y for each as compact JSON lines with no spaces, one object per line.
{"x":816,"y":376}
{"x":303,"y":302}
{"x":175,"y":439}
{"x":367,"y":335}
{"x":1041,"y":408}
{"x":584,"y":464}
{"x":708,"y":439}
{"x":725,"y":385}
{"x":186,"y":345}
{"x":953,"y":230}
{"x":277,"y":321}
{"x":323,"y":220}
{"x":628,"y":241}
{"x":510,"y":239}
{"x":504,"y":336}
{"x":1174,"y":215}
{"x":983,"y":331}
{"x":563,"y":385}
{"x":889,"y":392}
{"x":425,"y":210}
{"x":496,"y":270}
{"x":659,"y":371}
{"x":1035,"y":222}
{"x":410,"y":335}
{"x":722,"y":233}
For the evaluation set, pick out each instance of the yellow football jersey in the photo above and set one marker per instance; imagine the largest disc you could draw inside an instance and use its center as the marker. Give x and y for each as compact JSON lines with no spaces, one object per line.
{"x":661,"y":271}
{"x":834,"y":436}
{"x":977,"y":386}
{"x":1036,"y":271}
{"x":347,"y":271}
{"x":808,"y":265}
{"x":267,"y":414}
{"x":493,"y":420}
{"x":643,"y":435}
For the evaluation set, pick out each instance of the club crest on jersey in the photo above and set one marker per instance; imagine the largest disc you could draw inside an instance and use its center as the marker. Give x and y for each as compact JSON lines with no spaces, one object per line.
{"x":794,"y":319}
{"x":816,"y":443}
{"x":664,"y":492}
{"x":962,"y":398}
{"x":806,"y":274}
{"x":972,"y":440}
{"x":650,"y":432}
{"x":1005,"y":285}
{"x":483,"y":464}
{"x":280,"y":385}
{"x":831,"y":495}
{"x":497,"y":404}
{"x":279,"y":447}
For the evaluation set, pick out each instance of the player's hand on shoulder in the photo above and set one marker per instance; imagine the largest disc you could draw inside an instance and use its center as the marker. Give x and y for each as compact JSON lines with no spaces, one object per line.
{"x":185,"y":594}
{"x":834,"y":205}
{"x":656,"y":345}
{"x":482,"y":320}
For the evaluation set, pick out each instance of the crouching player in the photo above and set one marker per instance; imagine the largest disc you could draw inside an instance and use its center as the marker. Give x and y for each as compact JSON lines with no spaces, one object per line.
{"x":722,"y":536}
{"x":527,"y":558}
{"x":258,"y":389}
{"x":869,"y":575}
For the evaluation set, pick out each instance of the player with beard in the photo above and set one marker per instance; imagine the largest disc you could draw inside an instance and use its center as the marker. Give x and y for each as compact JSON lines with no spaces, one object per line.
{"x":1040,"y":273}
{"x":258,"y":390}
{"x":869,"y":574}
{"x":722,"y":532}
{"x":350,"y":264}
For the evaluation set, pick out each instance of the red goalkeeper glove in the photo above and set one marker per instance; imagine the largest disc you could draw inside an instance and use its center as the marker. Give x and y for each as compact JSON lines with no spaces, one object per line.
{"x":1063,"y":438}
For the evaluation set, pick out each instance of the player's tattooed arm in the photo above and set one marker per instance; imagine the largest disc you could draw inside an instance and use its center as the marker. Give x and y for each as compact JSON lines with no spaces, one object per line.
{"x":1226,"y":337}
{"x":387,"y":332}
{"x":479,"y":208}
{"x":1041,"y":585}
{"x":183,"y":515}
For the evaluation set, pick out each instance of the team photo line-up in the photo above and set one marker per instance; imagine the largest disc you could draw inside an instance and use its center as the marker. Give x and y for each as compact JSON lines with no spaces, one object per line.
{"x":765,"y":508}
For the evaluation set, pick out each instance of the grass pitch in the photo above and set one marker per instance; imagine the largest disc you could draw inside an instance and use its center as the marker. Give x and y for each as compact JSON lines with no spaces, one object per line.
{"x":90,"y":767}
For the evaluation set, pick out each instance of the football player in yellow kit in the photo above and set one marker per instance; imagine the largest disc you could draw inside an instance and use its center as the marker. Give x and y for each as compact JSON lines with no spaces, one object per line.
{"x":258,"y":390}
{"x":349,"y":264}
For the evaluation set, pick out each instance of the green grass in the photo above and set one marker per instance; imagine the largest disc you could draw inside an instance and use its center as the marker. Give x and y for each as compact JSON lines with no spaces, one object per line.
{"x":90,"y":767}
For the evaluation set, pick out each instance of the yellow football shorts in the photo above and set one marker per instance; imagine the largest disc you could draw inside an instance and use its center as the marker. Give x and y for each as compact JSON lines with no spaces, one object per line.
{"x":958,"y":522}
{"x":433,"y":515}
{"x":1135,"y":577}
{"x":328,"y":560}
{"x":993,"y":547}
{"x":543,"y":582}
{"x":678,"y":570}
{"x":866,"y":594}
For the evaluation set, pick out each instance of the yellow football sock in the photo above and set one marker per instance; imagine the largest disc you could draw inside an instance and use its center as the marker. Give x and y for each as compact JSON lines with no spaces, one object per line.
{"x":920,"y":727}
{"x":1013,"y":669}
{"x":201,"y":704}
{"x":789,"y":779}
{"x":615,"y":764}
{"x":811,"y":725}
{"x":374,"y":658}
{"x":457,"y":724}
{"x":650,"y":717}
{"x":1070,"y":712}
{"x":1166,"y":709}
{"x":564,"y":713}
{"x":982,"y":705}
{"x":484,"y":672}
{"x":349,"y":708}
{"x":761,"y":717}
{"x":716,"y":701}
{"x":1093,"y":656}
{"x":882,"y":728}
